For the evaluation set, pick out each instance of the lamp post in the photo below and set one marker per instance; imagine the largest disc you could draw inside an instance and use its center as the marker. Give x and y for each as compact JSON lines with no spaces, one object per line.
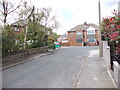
{"x":100,"y":40}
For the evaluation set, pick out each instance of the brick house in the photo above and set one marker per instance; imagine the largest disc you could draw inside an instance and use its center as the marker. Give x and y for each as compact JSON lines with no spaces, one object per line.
{"x":19,"y":27}
{"x":84,"y":35}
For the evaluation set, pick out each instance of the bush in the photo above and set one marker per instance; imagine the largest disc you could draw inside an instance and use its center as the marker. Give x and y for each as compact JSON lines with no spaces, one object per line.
{"x":8,"y":41}
{"x":51,"y":46}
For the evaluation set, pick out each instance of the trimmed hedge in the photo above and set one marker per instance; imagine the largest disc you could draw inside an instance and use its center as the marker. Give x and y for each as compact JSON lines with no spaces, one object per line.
{"x":51,"y":46}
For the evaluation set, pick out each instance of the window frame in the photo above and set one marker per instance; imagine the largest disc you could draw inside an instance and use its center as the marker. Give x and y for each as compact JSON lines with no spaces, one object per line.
{"x":71,"y":34}
{"x":91,"y":33}
{"x":79,"y":33}
{"x":80,"y":40}
{"x":91,"y":40}
{"x":16,"y":29}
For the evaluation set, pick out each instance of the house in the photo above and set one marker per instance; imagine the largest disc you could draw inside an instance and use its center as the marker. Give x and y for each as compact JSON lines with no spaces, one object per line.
{"x":20,"y":26}
{"x":63,"y":40}
{"x":84,"y":35}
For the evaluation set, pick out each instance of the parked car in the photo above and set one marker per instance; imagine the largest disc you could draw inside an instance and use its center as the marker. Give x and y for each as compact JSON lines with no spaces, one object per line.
{"x":57,"y":44}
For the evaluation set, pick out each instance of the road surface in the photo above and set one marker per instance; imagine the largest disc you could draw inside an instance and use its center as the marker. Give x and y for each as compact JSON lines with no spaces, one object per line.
{"x":58,"y":70}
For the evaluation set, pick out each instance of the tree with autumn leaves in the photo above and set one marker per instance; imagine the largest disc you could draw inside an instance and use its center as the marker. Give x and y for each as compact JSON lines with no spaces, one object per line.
{"x":111,"y":30}
{"x":111,"y":27}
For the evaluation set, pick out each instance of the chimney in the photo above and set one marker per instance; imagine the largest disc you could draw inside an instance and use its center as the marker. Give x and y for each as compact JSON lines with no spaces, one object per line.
{"x":85,"y":23}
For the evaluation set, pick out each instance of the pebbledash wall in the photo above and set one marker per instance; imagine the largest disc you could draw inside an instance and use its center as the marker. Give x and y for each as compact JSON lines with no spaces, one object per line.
{"x":106,"y":57}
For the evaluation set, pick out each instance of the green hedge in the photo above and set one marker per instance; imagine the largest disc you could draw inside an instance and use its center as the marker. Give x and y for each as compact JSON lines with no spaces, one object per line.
{"x":51,"y":46}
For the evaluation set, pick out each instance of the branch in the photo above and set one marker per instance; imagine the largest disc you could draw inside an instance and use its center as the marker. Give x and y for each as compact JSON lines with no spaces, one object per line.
{"x":15,"y":8}
{"x":4,"y":7}
{"x":31,"y":12}
{"x":1,"y":20}
{"x":10,"y":7}
{"x":1,"y":12}
{"x":51,"y":19}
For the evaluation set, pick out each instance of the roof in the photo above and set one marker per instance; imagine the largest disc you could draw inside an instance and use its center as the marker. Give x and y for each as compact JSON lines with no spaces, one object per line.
{"x":24,"y":22}
{"x":83,"y":27}
{"x":64,"y":36}
{"x":20,"y":23}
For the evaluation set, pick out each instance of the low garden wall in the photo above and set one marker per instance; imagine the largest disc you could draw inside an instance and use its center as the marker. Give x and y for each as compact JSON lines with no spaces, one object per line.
{"x":24,"y":53}
{"x":106,"y":53}
{"x":106,"y":56}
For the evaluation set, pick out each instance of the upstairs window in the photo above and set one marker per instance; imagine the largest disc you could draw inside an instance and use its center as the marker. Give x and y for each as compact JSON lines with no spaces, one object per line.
{"x":90,"y":32}
{"x":71,"y":33}
{"x":78,"y":33}
{"x":17,"y":29}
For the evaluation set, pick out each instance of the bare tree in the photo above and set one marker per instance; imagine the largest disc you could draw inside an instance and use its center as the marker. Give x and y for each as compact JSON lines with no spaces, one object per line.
{"x":24,"y":15}
{"x":6,"y":9}
{"x":48,"y":20}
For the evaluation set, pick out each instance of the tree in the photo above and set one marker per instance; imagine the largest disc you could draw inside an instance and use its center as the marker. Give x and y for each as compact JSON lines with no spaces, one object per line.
{"x":6,"y":9}
{"x":35,"y":34}
{"x":8,"y":41}
{"x":25,"y":15}
{"x":47,"y":19}
{"x":110,"y":27}
{"x":55,"y":36}
{"x":111,"y":32}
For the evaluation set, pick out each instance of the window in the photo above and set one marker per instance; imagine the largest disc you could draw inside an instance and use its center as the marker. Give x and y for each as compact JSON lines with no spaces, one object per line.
{"x":71,"y":33}
{"x":91,"y":39}
{"x":79,"y":40}
{"x":16,"y":41}
{"x":16,"y":29}
{"x":48,"y":32}
{"x":78,"y":33}
{"x":91,"y":32}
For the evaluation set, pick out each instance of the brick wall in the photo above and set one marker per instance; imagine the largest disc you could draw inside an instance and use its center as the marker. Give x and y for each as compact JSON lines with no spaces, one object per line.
{"x":72,"y":38}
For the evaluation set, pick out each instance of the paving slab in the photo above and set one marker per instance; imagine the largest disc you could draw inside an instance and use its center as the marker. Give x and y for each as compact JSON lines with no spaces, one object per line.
{"x":95,"y":73}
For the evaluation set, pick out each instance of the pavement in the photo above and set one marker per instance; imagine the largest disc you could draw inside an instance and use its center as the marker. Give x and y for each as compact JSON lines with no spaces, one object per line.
{"x":68,"y":67}
{"x":94,"y":73}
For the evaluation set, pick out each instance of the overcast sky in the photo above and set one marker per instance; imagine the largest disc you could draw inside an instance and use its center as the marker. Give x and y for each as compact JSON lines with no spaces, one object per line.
{"x":71,"y":13}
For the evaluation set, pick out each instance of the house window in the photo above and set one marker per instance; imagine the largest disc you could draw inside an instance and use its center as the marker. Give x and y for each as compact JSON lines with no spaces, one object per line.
{"x":91,"y":39}
{"x":90,"y":32}
{"x":16,"y":29}
{"x":78,"y":33}
{"x":71,"y":33}
{"x":79,"y":40}
{"x":16,"y":41}
{"x":48,"y":32}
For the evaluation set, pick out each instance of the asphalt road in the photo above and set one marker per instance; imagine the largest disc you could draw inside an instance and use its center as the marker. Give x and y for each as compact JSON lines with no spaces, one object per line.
{"x":58,"y":70}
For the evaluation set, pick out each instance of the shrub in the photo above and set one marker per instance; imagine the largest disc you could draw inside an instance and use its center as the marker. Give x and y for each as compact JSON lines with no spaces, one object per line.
{"x":51,"y":46}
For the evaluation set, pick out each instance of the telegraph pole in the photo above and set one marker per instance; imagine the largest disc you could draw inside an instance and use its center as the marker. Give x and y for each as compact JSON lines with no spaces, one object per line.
{"x":100,"y":40}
